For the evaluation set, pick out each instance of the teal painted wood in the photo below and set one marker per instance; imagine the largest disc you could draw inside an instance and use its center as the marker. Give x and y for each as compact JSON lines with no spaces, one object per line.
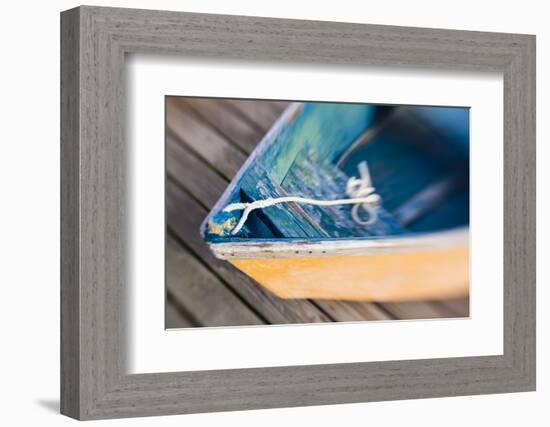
{"x":314,"y":176}
{"x":328,"y":127}
{"x":417,"y":148}
{"x":259,"y":184}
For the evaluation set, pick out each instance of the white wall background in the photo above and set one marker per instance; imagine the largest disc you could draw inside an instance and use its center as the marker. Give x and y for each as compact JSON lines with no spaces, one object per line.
{"x":29,"y":214}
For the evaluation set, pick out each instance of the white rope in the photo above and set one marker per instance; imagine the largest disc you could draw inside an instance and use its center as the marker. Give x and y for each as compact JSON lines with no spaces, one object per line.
{"x":360,"y":190}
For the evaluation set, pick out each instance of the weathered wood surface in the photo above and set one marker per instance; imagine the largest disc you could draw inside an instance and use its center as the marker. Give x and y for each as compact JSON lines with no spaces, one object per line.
{"x":207,"y":140}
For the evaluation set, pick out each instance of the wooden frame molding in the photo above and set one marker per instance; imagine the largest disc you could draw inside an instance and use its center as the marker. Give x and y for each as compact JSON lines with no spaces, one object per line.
{"x":94,"y":41}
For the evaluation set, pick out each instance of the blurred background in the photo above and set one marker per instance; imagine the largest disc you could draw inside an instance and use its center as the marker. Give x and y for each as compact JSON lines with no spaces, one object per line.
{"x":207,"y":140}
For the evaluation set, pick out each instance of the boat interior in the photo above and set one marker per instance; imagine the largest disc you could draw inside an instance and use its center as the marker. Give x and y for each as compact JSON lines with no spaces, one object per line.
{"x":417,"y":158}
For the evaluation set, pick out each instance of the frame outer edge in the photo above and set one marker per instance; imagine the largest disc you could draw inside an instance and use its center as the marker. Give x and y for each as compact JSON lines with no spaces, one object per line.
{"x":519,"y":216}
{"x":531,"y":105}
{"x":70,"y":384}
{"x":89,"y":294}
{"x":526,"y":233}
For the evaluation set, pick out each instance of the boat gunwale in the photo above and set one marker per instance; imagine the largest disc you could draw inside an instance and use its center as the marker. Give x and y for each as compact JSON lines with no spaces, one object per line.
{"x":286,"y":116}
{"x":326,"y":247}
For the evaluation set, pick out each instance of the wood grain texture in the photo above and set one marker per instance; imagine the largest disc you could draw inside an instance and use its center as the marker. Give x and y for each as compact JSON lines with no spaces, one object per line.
{"x":348,"y":311}
{"x":173,"y":317}
{"x":206,"y":301}
{"x":94,"y":380}
{"x":227,"y":122}
{"x":213,"y":148}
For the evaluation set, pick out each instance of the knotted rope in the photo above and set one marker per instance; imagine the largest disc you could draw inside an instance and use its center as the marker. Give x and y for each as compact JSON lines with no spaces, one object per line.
{"x":360,"y":191}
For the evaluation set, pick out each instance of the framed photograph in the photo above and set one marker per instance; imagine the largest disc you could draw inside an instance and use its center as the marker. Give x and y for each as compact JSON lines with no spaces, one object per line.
{"x":263,"y":213}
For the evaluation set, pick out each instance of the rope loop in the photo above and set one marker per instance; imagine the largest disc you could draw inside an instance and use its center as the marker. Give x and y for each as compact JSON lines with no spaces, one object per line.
{"x":360,"y":191}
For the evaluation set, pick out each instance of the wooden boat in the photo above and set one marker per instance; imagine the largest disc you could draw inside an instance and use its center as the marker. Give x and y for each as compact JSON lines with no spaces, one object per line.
{"x":352,"y":202}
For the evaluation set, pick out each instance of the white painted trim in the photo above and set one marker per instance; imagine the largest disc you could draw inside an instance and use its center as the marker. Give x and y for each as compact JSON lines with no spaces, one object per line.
{"x":344,"y":247}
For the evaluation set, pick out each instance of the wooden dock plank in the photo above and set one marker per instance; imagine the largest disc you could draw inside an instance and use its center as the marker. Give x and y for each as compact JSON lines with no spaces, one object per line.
{"x":188,"y":169}
{"x":207,"y":143}
{"x":227,"y":122}
{"x":184,"y":215}
{"x":352,"y":311}
{"x":278,"y":106}
{"x":418,"y":310}
{"x":207,"y":300}
{"x":459,"y":306}
{"x":173,"y":318}
{"x":260,"y":114}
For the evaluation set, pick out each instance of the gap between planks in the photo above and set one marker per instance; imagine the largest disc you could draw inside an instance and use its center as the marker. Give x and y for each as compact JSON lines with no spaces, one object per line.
{"x":206,"y":301}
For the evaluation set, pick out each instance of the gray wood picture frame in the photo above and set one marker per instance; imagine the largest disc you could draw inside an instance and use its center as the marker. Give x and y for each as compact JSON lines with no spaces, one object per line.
{"x":94,"y":381}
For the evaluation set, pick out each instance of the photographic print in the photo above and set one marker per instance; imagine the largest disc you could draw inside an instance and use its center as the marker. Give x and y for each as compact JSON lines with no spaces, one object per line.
{"x":293,"y":212}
